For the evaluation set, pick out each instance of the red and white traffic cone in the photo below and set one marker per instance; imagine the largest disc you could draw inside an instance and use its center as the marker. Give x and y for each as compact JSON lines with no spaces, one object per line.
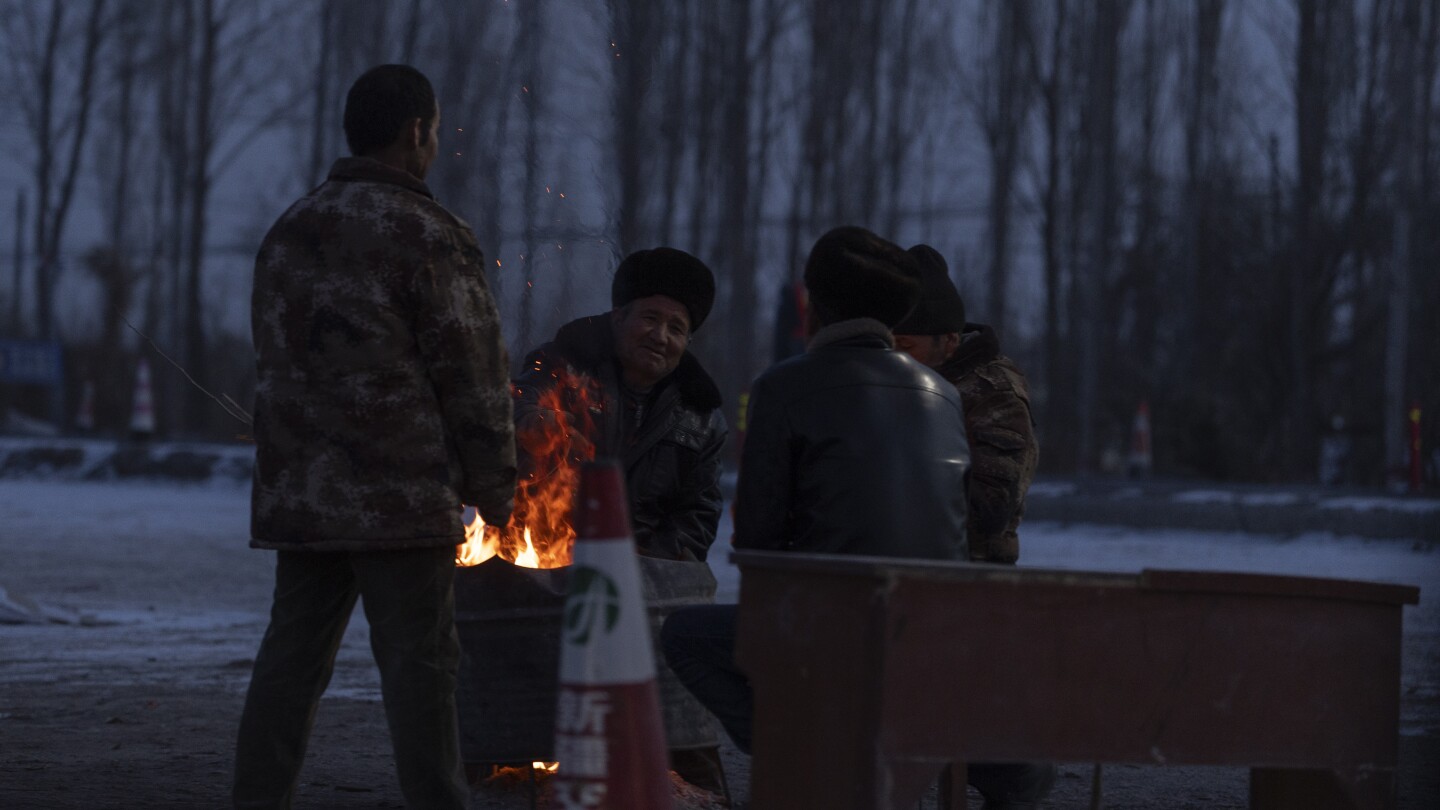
{"x":1139,"y":462}
{"x":85,"y":417}
{"x":609,"y":737}
{"x":142,"y":414}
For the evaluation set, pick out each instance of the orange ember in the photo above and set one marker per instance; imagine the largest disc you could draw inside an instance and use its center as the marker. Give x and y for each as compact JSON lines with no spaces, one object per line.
{"x":551,"y":446}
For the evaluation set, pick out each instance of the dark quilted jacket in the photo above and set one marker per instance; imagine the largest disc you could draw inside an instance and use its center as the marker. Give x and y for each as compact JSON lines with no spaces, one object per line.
{"x":672,"y":464}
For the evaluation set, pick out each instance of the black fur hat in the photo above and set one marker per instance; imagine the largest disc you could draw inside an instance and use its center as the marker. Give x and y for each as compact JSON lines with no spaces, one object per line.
{"x":941,"y":309}
{"x":852,"y":273}
{"x":668,"y":272}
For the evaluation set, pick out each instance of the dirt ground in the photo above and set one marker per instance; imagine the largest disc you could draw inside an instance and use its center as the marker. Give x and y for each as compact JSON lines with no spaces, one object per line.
{"x":130,"y":696}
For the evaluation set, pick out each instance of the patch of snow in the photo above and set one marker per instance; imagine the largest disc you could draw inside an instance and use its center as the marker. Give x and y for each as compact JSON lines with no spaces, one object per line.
{"x":1415,"y":506}
{"x":1203,"y":496}
{"x":1270,"y":499}
{"x":1052,"y":489}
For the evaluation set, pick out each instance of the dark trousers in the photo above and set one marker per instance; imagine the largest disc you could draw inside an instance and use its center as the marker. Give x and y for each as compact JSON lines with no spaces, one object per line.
{"x":409,"y":602}
{"x":699,"y":645}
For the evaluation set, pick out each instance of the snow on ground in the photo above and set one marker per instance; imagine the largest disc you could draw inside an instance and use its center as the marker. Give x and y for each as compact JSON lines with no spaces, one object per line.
{"x":1125,"y":549}
{"x":1316,"y":554}
{"x":169,"y":565}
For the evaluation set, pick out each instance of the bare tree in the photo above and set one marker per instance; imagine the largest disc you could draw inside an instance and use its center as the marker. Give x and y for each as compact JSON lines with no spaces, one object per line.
{"x":1098,"y":139}
{"x":1004,"y":106}
{"x":1406,"y":84}
{"x":14,"y":327}
{"x":1048,"y":70}
{"x":56,"y":107}
{"x":529,"y":45}
{"x":633,"y":47}
{"x":1202,"y":140}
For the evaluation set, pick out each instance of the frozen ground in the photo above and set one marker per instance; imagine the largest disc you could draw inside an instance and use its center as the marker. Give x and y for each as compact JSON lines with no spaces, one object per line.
{"x":128,"y":692}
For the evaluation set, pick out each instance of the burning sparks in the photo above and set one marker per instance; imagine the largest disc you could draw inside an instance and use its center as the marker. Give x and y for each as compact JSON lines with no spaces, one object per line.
{"x":540,"y":534}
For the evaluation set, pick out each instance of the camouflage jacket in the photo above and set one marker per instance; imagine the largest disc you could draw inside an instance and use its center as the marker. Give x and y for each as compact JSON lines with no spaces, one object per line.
{"x":381,"y":400}
{"x":1003,"y":449}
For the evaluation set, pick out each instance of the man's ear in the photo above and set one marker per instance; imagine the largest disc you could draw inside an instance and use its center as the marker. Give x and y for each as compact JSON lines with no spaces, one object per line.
{"x":415,"y":133}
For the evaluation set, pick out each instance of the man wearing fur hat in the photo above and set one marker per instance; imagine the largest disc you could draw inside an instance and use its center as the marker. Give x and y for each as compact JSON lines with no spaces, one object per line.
{"x":852,"y":448}
{"x":629,"y":386}
{"x":639,"y":396}
{"x":997,"y":406}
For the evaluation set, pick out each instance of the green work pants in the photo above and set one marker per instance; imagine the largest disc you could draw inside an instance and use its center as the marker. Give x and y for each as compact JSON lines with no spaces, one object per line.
{"x":409,"y":602}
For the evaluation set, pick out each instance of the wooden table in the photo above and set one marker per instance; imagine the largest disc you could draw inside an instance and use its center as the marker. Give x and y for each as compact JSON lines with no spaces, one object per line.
{"x":871,"y":675}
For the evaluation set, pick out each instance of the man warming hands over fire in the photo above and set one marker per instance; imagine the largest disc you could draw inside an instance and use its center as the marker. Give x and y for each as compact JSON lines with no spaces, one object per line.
{"x":624,"y":385}
{"x":382,"y":402}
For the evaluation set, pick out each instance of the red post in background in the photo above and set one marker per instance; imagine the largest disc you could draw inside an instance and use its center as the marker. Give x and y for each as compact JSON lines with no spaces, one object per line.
{"x":1139,"y":462}
{"x":1415,"y":465}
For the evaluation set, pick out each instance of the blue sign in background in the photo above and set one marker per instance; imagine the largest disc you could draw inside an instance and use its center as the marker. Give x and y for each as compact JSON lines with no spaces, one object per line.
{"x":36,"y":362}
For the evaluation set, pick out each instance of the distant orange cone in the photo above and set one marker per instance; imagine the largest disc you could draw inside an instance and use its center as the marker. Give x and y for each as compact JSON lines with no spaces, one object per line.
{"x":85,"y":417}
{"x":1140,"y":456}
{"x":142,"y":415}
{"x":609,"y":738}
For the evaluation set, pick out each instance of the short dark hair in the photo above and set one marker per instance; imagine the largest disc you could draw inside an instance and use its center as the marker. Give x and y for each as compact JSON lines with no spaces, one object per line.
{"x":381,"y":101}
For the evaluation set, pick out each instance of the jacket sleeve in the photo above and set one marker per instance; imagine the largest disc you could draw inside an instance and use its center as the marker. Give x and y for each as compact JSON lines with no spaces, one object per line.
{"x":697,"y":511}
{"x":457,"y":330}
{"x":763,"y":494}
{"x":1002,"y":450}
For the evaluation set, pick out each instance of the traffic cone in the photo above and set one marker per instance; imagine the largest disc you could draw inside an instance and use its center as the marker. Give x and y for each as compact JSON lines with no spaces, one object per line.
{"x":85,"y":417}
{"x":142,"y":414}
{"x":609,"y":737}
{"x":1140,"y":458}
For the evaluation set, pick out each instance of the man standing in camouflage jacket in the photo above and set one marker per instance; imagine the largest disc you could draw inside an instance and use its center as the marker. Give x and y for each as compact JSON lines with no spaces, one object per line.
{"x":382,"y":404}
{"x":997,"y":407}
{"x":1003,"y":453}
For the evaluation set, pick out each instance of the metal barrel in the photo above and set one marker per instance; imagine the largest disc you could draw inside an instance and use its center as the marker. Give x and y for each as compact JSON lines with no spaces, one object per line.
{"x":508,"y":619}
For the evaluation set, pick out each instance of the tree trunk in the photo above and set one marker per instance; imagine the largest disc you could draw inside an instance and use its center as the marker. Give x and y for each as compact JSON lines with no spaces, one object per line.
{"x":1104,"y":201}
{"x":737,"y":264}
{"x":320,"y":115}
{"x":14,"y":328}
{"x":529,"y":43}
{"x":194,"y":312}
{"x":631,"y":22}
{"x":44,"y":169}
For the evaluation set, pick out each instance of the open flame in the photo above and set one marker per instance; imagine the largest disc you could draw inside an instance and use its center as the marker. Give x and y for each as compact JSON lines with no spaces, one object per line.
{"x":551,"y":446}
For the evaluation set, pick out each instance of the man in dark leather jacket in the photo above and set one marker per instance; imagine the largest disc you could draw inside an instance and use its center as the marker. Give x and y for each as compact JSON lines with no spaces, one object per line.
{"x":634,"y":391}
{"x":852,"y":448}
